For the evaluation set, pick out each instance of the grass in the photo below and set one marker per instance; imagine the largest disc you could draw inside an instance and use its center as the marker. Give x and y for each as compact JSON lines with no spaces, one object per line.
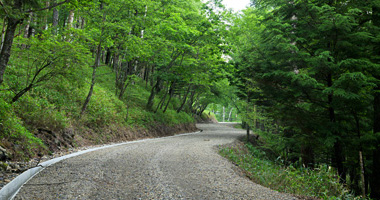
{"x":321,"y":182}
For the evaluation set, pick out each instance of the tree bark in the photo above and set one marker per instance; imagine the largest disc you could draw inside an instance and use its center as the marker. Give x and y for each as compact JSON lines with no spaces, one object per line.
{"x":184,"y":99}
{"x":362,"y":172}
{"x":230,"y":114}
{"x":150,"y":103}
{"x":96,"y":65}
{"x":55,"y":18}
{"x":247,"y":126}
{"x":116,"y":57}
{"x":7,"y":45}
{"x":162,"y":101}
{"x":45,"y":27}
{"x":375,"y":183}
{"x":108,"y":57}
{"x":22,"y":92}
{"x":27,"y":26}
{"x":93,"y":79}
{"x":171,"y":93}
{"x":191,"y":101}
{"x":70,"y":20}
{"x":3,"y":33}
{"x":88,"y":98}
{"x":224,"y":114}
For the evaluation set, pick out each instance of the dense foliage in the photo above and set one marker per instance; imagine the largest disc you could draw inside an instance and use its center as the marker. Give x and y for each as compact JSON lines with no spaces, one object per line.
{"x":99,"y":69}
{"x":309,"y":74}
{"x":320,"y":182}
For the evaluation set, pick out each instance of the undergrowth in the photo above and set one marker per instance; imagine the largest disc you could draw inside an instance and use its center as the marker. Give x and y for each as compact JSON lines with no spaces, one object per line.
{"x":55,"y":106}
{"x":320,"y":182}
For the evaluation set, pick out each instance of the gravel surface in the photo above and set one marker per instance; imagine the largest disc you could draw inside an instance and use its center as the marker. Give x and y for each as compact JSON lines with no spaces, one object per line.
{"x":184,"y":167}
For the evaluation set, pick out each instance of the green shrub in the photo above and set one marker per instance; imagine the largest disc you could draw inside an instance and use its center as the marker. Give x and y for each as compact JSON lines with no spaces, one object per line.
{"x":321,"y":182}
{"x":13,"y":131}
{"x":56,"y":105}
{"x":40,"y":113}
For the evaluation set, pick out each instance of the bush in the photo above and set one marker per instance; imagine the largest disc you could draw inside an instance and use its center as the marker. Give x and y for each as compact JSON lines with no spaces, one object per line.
{"x":13,"y":133}
{"x":56,"y":105}
{"x":321,"y":182}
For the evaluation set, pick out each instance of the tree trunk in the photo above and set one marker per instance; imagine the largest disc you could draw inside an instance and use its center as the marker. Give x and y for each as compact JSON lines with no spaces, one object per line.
{"x":26,"y":29}
{"x":191,"y":101}
{"x":116,"y":57}
{"x":201,"y":110}
{"x":45,"y":27}
{"x":55,"y":18}
{"x":254,"y":117}
{"x":96,"y":65}
{"x":162,"y":101}
{"x":83,"y":23}
{"x":32,"y":29}
{"x":150,"y":103}
{"x":247,"y":126}
{"x":70,"y":19}
{"x":88,"y":98}
{"x":108,"y":57}
{"x":27,"y":26}
{"x":362,"y":172}
{"x":171,"y":93}
{"x":93,"y":79}
{"x":3,"y":33}
{"x":7,"y":45}
{"x":224,"y":114}
{"x":361,"y":162}
{"x":230,"y":114}
{"x":338,"y":149}
{"x":21,"y":93}
{"x":375,"y":183}
{"x":122,"y":91}
{"x":184,"y":99}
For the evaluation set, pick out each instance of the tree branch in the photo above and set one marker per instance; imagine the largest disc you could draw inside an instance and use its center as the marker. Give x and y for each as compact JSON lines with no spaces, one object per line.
{"x":49,"y":7}
{"x":5,"y":10}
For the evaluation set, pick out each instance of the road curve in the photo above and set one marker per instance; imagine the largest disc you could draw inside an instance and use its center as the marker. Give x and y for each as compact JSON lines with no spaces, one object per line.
{"x":183,"y":167}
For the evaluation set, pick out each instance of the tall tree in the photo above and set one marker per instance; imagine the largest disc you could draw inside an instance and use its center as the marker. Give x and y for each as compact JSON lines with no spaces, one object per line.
{"x":15,"y":13}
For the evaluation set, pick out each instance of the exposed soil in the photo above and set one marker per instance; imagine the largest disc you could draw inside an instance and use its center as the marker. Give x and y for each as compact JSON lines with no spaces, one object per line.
{"x":69,"y":141}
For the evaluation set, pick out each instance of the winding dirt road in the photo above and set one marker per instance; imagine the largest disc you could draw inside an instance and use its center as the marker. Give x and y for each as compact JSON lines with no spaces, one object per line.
{"x":182,"y":167}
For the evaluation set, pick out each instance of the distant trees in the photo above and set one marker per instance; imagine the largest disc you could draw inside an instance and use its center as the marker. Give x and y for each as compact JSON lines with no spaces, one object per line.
{"x":312,"y":67}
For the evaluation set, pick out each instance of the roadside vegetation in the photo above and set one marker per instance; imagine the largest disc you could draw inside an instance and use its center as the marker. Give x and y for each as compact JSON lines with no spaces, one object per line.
{"x":48,"y":117}
{"x":261,"y":167}
{"x":308,"y":79}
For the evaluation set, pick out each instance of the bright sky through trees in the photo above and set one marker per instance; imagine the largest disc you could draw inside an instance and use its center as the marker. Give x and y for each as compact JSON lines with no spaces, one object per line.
{"x":236,"y":5}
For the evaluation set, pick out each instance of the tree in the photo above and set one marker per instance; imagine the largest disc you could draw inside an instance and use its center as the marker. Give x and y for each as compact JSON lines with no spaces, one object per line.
{"x":313,"y":67}
{"x":15,"y":12}
{"x":48,"y":59}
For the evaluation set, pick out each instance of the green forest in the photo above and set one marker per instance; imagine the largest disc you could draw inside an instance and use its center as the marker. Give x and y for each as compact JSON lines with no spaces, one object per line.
{"x":303,"y":75}
{"x":78,"y":72}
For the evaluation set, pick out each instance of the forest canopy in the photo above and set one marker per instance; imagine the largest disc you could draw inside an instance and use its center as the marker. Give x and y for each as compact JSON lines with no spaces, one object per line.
{"x":311,"y":71}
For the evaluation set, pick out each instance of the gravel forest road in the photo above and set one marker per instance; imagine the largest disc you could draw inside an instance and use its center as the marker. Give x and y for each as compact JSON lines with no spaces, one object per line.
{"x":182,"y":167}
